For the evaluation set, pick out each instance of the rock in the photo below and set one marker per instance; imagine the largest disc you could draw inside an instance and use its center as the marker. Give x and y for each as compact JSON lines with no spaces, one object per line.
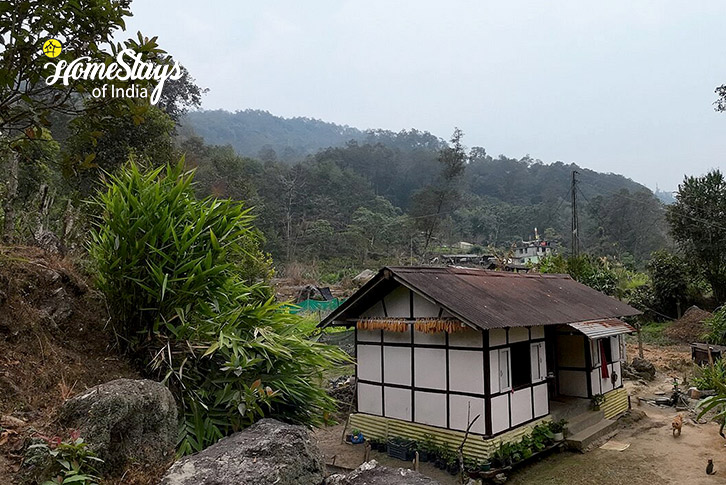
{"x":125,"y":421}
{"x":38,"y":464}
{"x":628,"y":372}
{"x":644,"y":368}
{"x":265,"y":453}
{"x":370,"y":473}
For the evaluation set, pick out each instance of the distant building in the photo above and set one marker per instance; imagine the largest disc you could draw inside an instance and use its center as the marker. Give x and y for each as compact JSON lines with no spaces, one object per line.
{"x":531,"y":251}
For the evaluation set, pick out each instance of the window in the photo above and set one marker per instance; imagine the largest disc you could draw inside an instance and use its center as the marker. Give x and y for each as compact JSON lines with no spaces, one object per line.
{"x":607,"y":350}
{"x":505,"y":383}
{"x":538,"y":362}
{"x":521,"y":371}
{"x":594,"y":353}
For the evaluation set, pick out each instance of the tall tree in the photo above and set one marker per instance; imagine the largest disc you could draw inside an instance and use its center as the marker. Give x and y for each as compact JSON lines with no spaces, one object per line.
{"x":698,"y":223}
{"x":429,"y":203}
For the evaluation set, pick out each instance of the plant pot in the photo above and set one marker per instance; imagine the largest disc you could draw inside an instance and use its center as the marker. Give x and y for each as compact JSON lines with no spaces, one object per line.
{"x":440,"y":464}
{"x":485,"y":467}
{"x":400,"y":451}
{"x":559,"y":436}
{"x":423,"y":456}
{"x":453,"y":469}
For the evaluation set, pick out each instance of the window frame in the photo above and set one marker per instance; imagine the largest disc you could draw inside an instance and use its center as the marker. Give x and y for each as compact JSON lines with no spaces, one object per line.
{"x":507,"y":368}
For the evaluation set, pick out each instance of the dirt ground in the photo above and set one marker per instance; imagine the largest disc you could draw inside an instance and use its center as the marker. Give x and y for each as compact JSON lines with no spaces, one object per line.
{"x":653,"y":457}
{"x":53,"y":345}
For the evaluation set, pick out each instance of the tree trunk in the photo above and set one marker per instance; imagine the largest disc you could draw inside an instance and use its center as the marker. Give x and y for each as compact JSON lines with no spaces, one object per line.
{"x":10,"y":197}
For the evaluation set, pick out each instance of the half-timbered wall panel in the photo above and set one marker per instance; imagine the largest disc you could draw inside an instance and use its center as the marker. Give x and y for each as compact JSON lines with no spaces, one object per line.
{"x":397,"y":337}
{"x":541,"y":400}
{"x":430,"y":408}
{"x":430,"y":368}
{"x":466,"y":371}
{"x":370,"y":399}
{"x":463,"y":410}
{"x":466,"y":338}
{"x":398,"y":403}
{"x":422,"y":338}
{"x":497,"y":336}
{"x":369,"y":362}
{"x":369,"y":335}
{"x":500,"y":413}
{"x":521,"y":404}
{"x":397,"y":365}
{"x":398,"y":303}
{"x":374,"y":311}
{"x":518,"y":334}
{"x":423,"y":308}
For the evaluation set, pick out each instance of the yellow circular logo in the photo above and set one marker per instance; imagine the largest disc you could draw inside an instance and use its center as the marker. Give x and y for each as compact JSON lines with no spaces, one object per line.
{"x":52,"y":47}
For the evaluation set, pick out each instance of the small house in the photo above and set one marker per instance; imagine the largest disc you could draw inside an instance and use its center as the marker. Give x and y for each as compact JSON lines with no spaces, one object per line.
{"x":439,"y":349}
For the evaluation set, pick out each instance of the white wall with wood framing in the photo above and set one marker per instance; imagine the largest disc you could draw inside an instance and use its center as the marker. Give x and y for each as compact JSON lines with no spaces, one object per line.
{"x":446,"y":379}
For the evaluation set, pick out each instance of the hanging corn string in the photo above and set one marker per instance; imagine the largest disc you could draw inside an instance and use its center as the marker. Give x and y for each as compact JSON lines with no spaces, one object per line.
{"x":424,"y":325}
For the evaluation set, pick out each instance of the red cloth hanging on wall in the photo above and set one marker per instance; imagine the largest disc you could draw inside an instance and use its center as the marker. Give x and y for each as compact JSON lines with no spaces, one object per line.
{"x":603,"y":362}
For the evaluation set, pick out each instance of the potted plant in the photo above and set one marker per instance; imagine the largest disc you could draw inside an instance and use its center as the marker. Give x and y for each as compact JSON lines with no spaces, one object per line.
{"x":542,"y":436}
{"x":355,"y":437}
{"x":596,"y":401}
{"x":471,"y":467}
{"x":452,"y":464}
{"x":400,"y":448}
{"x":558,"y":429}
{"x":503,"y":455}
{"x":426,"y":448}
{"x":377,"y":444}
{"x":485,"y":466}
{"x":442,"y":459}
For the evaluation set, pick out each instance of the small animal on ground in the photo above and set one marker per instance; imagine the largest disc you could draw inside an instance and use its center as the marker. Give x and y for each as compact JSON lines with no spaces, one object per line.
{"x":677,"y":424}
{"x":709,"y":468}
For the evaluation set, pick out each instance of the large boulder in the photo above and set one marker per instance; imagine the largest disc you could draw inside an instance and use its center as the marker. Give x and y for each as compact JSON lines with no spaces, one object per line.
{"x":644,"y":368}
{"x":371,"y":474}
{"x":125,"y":421}
{"x":265,"y":453}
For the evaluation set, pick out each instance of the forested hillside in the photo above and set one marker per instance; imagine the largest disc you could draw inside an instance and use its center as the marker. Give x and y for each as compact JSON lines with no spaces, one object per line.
{"x":387,"y":197}
{"x":257,"y":133}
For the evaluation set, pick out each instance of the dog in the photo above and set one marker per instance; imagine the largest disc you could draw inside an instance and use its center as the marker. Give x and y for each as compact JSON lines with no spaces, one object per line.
{"x":677,"y":424}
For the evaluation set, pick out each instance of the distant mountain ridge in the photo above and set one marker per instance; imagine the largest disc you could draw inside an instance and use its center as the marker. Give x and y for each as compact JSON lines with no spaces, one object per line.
{"x":260,"y":134}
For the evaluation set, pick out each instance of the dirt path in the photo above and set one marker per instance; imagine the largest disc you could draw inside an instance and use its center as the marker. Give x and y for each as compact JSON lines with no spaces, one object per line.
{"x":654,"y":455}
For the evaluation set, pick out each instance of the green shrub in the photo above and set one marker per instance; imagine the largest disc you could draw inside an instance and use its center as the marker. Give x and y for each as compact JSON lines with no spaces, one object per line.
{"x":716,"y":327}
{"x":74,"y":462}
{"x":186,"y":284}
{"x":708,"y":378}
{"x":655,"y":333}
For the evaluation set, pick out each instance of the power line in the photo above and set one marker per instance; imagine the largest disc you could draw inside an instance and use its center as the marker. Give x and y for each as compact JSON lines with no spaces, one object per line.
{"x":575,"y":223}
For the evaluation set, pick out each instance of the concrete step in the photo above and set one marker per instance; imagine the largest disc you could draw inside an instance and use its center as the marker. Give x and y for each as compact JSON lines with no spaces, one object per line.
{"x":581,"y":440}
{"x":582,"y":421}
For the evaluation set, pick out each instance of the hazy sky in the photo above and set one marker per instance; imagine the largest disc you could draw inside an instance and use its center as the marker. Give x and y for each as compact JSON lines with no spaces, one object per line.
{"x":623,"y":87}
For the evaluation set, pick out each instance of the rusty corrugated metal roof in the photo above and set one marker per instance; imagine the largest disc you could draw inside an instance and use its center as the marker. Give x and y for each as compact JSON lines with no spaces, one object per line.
{"x":595,"y":329}
{"x":492,"y":299}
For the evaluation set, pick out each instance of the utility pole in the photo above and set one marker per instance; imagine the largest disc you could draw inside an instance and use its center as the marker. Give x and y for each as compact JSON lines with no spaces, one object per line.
{"x":575,"y":224}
